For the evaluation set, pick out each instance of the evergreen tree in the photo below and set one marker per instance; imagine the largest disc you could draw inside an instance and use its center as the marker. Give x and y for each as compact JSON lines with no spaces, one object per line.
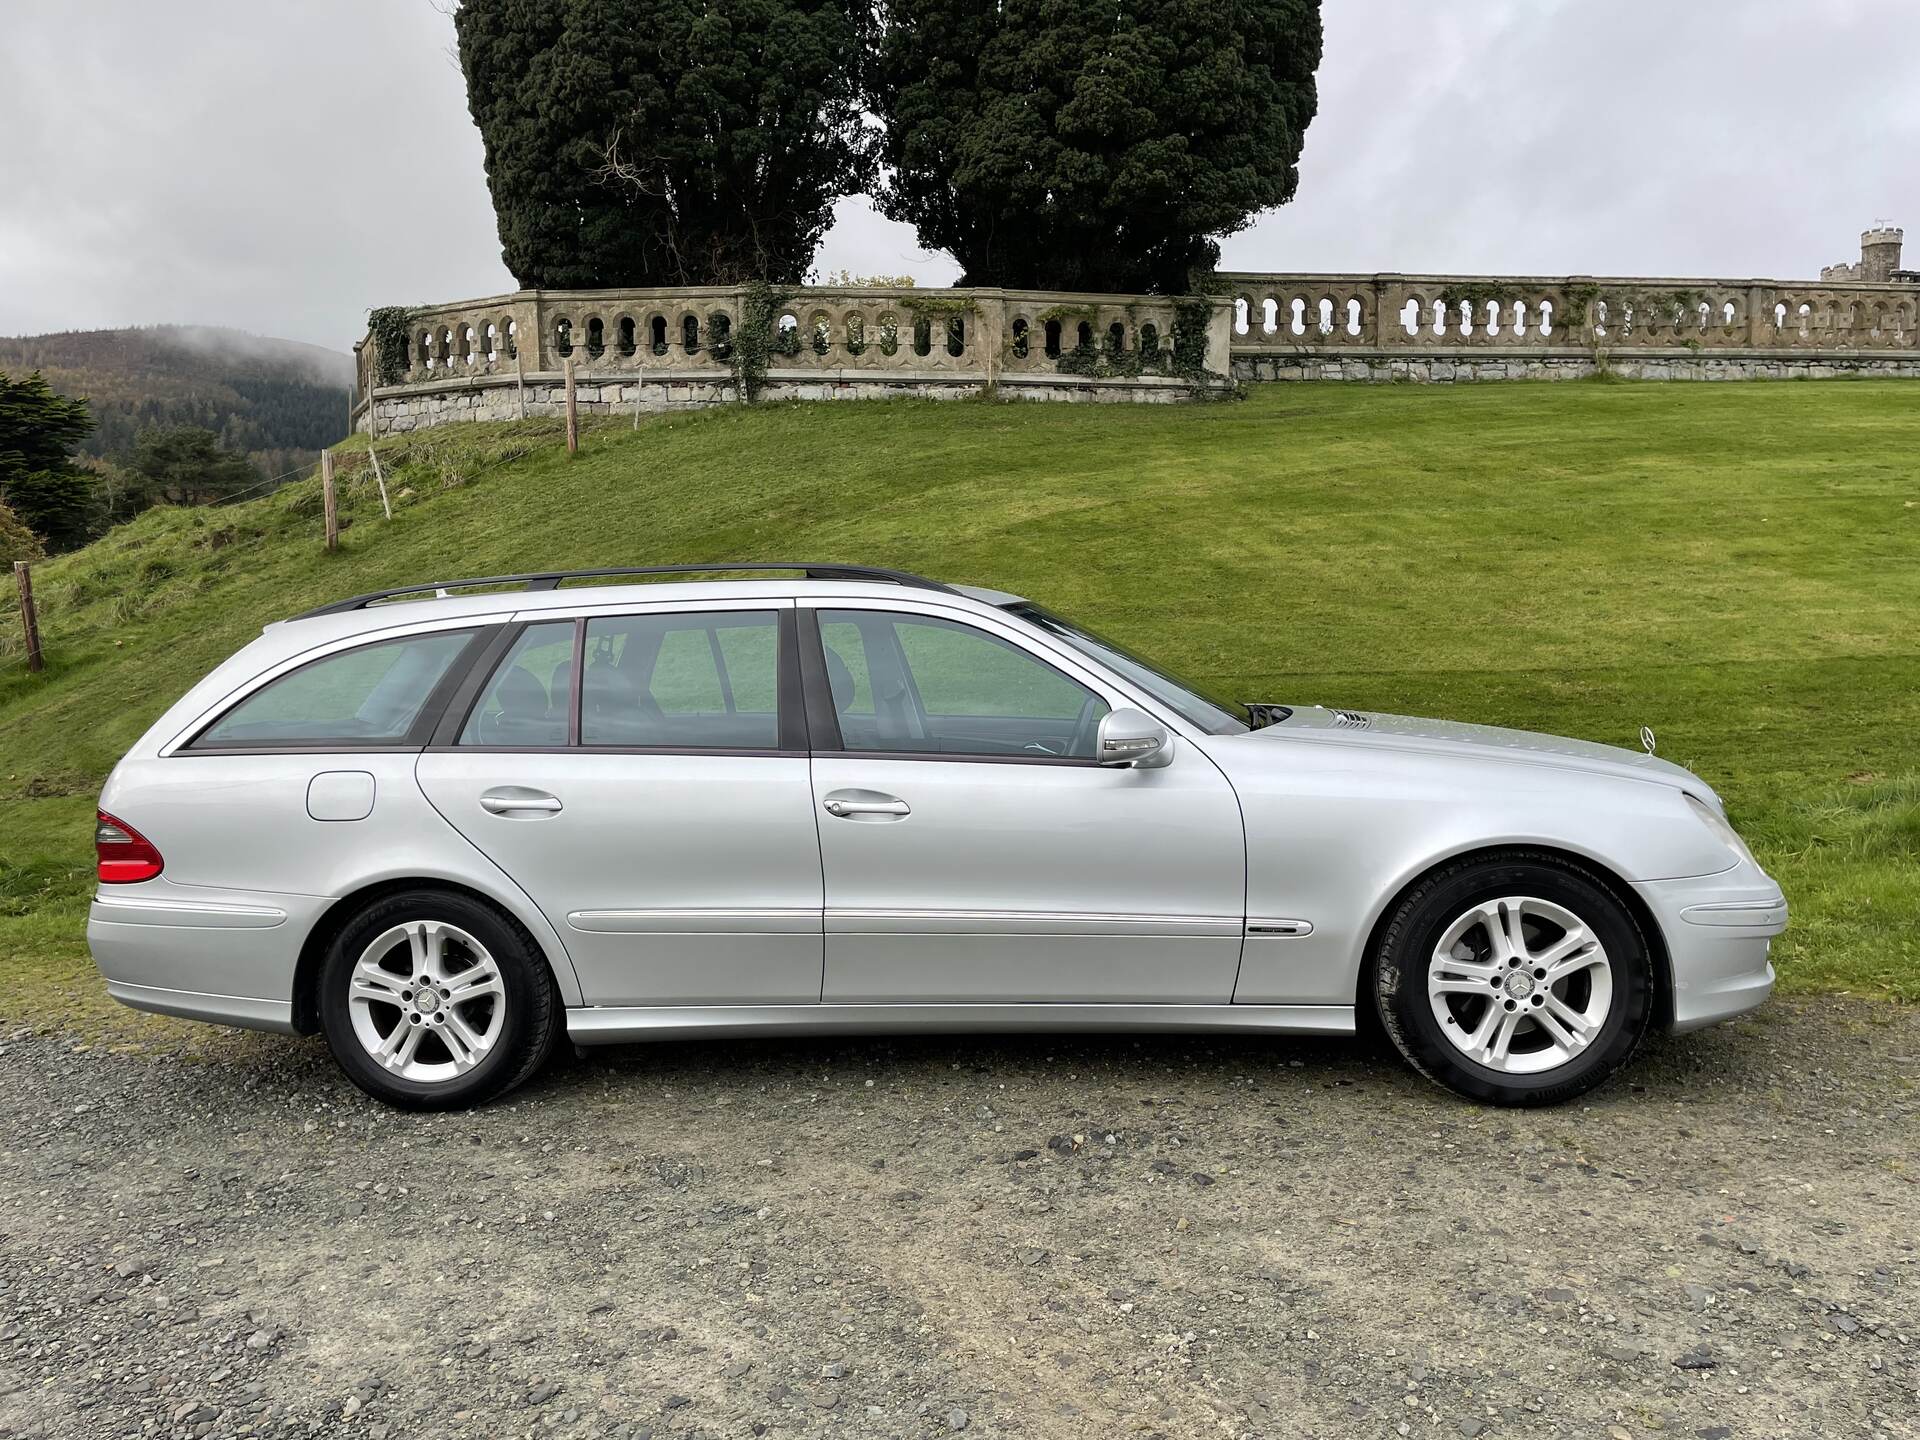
{"x":1050,"y":144}
{"x":184,"y":465}
{"x":39,"y":483}
{"x":664,"y":142}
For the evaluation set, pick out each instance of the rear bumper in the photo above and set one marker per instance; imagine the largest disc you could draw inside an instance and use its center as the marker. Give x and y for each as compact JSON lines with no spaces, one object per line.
{"x":201,"y":954}
{"x":1719,"y":931}
{"x":248,"y":1014}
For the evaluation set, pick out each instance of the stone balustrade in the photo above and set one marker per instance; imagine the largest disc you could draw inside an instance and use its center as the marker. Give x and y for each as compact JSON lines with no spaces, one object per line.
{"x":642,"y":350}
{"x":676,"y":348}
{"x":1478,"y":327}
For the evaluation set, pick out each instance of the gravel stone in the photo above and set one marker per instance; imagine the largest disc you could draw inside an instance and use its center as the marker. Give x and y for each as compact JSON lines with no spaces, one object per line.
{"x":221,"y":1241}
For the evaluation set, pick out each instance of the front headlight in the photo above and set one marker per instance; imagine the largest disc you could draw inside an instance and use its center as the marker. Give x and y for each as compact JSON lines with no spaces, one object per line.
{"x":1717,"y":823}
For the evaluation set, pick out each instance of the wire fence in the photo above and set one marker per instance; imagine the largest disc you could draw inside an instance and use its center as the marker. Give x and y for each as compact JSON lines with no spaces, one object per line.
{"x":270,"y":483}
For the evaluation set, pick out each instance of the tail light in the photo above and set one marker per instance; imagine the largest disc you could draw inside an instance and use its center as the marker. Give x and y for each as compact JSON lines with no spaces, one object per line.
{"x":123,"y":854}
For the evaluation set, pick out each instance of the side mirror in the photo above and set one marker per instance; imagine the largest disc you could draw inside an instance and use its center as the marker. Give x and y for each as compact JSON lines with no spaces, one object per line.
{"x":1129,"y":737}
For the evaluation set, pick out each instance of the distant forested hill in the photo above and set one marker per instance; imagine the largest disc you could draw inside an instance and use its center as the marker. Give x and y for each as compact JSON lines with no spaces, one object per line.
{"x":276,"y":401}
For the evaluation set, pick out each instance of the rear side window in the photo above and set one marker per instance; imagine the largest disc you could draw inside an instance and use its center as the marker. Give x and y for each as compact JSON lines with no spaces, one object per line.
{"x":372,"y":695}
{"x":526,"y":702}
{"x":708,"y":680}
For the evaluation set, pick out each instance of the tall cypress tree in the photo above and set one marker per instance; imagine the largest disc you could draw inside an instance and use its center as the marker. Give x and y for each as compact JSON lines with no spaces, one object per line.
{"x":1059,"y":145}
{"x":665,"y":142}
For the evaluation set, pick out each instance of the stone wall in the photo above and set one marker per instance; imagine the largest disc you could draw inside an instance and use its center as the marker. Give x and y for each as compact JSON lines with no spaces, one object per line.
{"x":398,"y":409}
{"x":649,"y":350}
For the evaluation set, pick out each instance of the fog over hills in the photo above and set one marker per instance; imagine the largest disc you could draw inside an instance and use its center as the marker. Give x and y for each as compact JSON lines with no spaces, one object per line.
{"x":277,"y":401}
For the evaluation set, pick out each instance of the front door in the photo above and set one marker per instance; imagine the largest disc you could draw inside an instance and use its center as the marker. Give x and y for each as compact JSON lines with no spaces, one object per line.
{"x":643,"y":777}
{"x":974,"y":851}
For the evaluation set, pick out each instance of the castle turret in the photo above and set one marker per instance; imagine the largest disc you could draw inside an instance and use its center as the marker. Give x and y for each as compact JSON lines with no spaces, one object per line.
{"x":1879,"y":258}
{"x":1880,"y":253}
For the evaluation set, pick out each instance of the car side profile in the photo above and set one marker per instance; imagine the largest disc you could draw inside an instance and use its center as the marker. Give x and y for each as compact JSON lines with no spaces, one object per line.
{"x":448,"y":824}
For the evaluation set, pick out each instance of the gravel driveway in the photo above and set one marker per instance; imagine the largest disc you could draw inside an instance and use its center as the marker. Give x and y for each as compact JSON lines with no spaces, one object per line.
{"x":1095,"y":1237}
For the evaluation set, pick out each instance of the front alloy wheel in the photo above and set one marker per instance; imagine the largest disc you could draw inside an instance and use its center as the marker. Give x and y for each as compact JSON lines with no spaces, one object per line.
{"x":1519,"y":984}
{"x":1517,"y":979}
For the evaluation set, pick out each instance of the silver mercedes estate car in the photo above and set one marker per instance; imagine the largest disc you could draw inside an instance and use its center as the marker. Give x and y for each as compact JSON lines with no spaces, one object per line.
{"x":446,"y":824}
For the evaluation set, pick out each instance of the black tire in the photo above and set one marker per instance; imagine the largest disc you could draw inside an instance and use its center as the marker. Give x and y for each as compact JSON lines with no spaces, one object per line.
{"x":528,"y":1031}
{"x":1419,"y":922}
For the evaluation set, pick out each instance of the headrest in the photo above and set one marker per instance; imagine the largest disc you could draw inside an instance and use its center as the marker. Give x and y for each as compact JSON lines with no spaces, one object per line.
{"x":522,"y":695}
{"x":839,"y":681}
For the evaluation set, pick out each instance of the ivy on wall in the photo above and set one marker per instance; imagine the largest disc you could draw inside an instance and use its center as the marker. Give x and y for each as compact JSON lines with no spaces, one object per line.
{"x":389,"y":328}
{"x":1184,"y":359}
{"x":756,"y":340}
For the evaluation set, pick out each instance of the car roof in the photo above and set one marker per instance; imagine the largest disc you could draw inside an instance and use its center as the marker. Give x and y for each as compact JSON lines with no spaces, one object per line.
{"x":431,"y":608}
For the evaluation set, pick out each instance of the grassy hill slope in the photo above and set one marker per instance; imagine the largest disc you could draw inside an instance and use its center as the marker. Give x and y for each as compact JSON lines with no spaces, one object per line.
{"x":1737,"y":566}
{"x":276,"y":401}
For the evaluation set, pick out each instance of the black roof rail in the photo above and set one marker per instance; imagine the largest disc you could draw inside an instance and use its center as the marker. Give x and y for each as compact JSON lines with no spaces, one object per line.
{"x":550,"y":580}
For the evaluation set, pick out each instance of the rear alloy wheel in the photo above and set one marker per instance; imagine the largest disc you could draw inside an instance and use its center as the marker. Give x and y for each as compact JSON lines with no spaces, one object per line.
{"x":433,"y":1001}
{"x":1517,"y":980}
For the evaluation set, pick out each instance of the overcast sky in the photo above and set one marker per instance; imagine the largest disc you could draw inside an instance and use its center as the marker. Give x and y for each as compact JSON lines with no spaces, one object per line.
{"x":283,"y":166}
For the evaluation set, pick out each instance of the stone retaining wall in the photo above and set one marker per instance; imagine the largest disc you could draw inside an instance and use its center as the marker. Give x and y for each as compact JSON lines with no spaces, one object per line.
{"x":400,"y":408}
{"x":1462,"y":367}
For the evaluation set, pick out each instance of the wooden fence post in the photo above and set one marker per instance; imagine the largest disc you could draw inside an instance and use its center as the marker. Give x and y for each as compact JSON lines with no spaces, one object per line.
{"x":520,"y":370}
{"x":379,"y":478}
{"x":29,"y":622}
{"x":637,"y":383}
{"x":573,"y":411}
{"x":329,"y":504}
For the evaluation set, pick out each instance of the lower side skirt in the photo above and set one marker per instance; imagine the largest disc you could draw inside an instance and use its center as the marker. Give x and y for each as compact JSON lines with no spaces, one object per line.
{"x":618,"y":1024}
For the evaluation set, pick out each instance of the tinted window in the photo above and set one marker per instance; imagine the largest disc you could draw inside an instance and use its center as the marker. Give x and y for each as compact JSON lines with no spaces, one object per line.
{"x":371,"y":695}
{"x":707,"y":680}
{"x":526,"y":700}
{"x":913,"y":683}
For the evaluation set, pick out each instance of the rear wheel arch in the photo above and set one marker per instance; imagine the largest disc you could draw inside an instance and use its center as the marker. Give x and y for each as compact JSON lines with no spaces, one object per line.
{"x":340,"y":914}
{"x":1610,"y":880}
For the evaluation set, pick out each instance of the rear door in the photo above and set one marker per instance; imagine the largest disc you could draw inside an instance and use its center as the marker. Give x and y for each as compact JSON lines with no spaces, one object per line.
{"x":974,"y":850}
{"x":643,"y":775}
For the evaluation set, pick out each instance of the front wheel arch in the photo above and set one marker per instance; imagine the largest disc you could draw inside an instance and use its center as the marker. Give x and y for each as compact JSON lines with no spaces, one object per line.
{"x":1619,"y":889}
{"x":338,"y":915}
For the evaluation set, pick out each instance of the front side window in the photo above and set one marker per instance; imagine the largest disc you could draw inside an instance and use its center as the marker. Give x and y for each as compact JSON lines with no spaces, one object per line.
{"x":708,"y":680}
{"x":917,"y":684}
{"x":1216,"y":717}
{"x":526,"y":701}
{"x":372,"y":695}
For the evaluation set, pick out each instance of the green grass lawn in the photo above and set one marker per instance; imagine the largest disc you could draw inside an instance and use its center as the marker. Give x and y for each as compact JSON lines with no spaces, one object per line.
{"x":1736,"y":565}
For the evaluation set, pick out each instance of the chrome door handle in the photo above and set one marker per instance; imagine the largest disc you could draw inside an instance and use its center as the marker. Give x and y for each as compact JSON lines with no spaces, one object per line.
{"x":512,"y":802}
{"x":844,"y":808}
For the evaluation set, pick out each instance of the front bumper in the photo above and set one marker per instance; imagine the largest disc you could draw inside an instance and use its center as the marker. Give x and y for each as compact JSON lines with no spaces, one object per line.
{"x":1719,"y":932}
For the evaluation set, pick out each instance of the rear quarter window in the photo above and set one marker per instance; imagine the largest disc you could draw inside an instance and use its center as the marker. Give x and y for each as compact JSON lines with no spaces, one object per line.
{"x":373,"y":694}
